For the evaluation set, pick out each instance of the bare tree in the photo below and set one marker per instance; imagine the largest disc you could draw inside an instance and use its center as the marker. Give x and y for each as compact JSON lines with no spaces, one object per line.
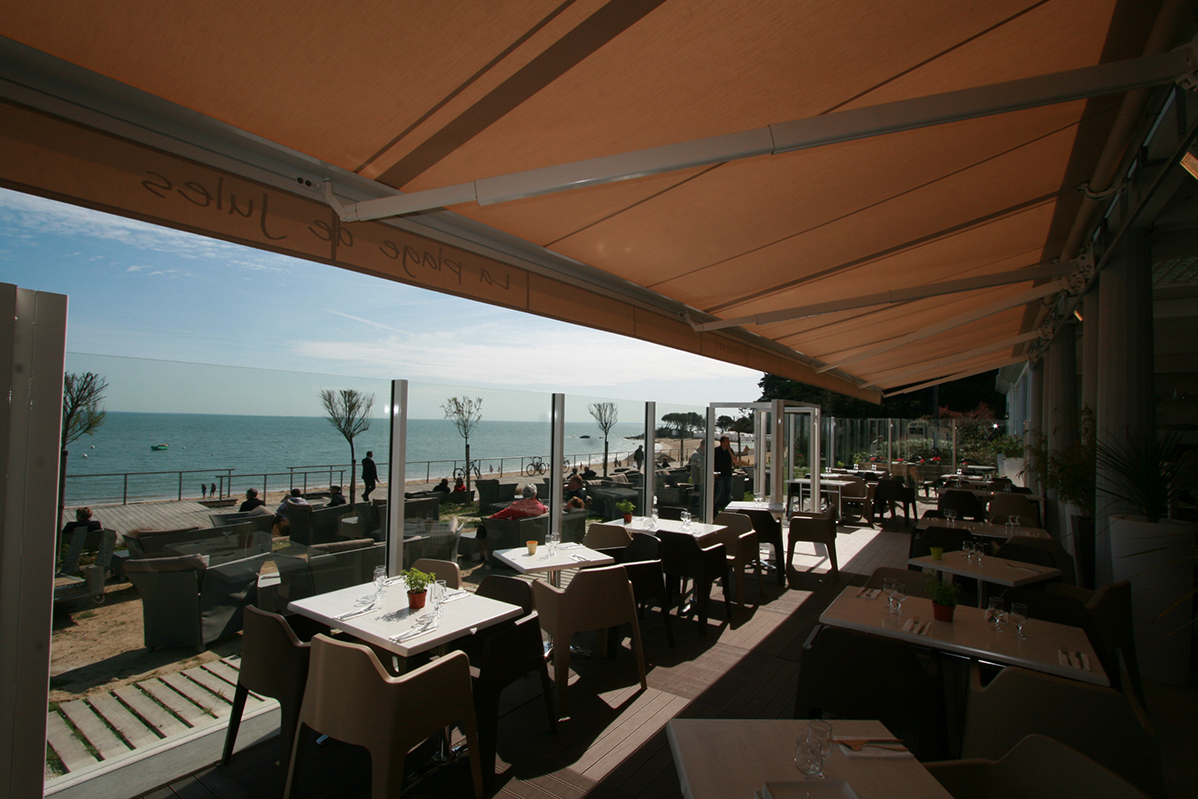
{"x":466,"y":412}
{"x":82,"y":415}
{"x":349,"y":411}
{"x":606,"y":415}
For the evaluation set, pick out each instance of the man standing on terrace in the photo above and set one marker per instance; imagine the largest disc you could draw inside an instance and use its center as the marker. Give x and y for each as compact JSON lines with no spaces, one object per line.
{"x":370,"y":475}
{"x":724,"y":461}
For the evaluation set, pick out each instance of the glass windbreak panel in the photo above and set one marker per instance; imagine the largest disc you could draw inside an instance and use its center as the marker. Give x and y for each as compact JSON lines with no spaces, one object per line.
{"x":604,"y":444}
{"x":740,"y":423}
{"x":485,"y":446}
{"x":681,"y":431}
{"x":185,"y":477}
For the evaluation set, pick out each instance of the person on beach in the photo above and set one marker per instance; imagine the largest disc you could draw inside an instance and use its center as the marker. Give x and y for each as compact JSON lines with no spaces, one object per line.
{"x":639,"y":457}
{"x":370,"y":475}
{"x":697,"y":459}
{"x":251,"y":501}
{"x":459,"y":485}
{"x":296,"y":497}
{"x":527,"y":505}
{"x":443,"y":486}
{"x":212,"y":490}
{"x":336,"y":497}
{"x":203,"y":490}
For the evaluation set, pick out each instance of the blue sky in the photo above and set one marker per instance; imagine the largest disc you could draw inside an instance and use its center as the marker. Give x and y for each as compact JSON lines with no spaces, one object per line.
{"x":137,"y":291}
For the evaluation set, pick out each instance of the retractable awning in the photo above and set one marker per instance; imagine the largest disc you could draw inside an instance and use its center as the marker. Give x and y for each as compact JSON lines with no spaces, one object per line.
{"x":863,"y":196}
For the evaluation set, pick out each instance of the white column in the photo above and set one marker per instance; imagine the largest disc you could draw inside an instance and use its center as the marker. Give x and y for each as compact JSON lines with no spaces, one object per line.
{"x":1092,"y":316}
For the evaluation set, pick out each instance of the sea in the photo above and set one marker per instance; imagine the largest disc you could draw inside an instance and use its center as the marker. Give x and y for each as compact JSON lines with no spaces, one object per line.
{"x":118,"y":463}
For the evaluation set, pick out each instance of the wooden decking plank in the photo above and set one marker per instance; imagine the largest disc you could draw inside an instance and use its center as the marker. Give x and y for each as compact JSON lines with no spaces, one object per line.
{"x":66,"y":744}
{"x":222,"y":688}
{"x":642,"y":767}
{"x":635,"y":737}
{"x":181,"y":707}
{"x":93,"y":729}
{"x":207,"y":700}
{"x":150,"y":711}
{"x":131,"y":728}
{"x":191,"y":788}
{"x":642,"y":710}
{"x":221,"y":785}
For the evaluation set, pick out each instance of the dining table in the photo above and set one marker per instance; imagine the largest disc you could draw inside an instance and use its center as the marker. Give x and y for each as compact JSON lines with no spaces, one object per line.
{"x":392,"y":626}
{"x":989,"y":570}
{"x":705,"y":534}
{"x":827,"y":486}
{"x":985,"y":529}
{"x":1052,"y":648}
{"x":720,"y":758}
{"x":566,"y":556}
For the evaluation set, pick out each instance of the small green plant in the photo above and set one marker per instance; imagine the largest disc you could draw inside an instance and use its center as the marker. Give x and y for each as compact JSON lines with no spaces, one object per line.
{"x":1008,"y":446}
{"x":417,"y":581}
{"x":942,"y":592}
{"x":624,"y":506}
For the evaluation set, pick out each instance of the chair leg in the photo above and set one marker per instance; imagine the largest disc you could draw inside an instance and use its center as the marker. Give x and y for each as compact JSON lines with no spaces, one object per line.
{"x":547,"y":690}
{"x":386,"y":769}
{"x":640,"y":653}
{"x":486,"y":711}
{"x":470,"y":727}
{"x":288,"y":724}
{"x":290,"y":786}
{"x":561,"y":670}
{"x":832,"y":557}
{"x":239,"y":697}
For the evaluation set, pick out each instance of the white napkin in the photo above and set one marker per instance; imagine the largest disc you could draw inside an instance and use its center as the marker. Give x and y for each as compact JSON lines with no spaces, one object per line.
{"x":1079,"y":661}
{"x":570,"y":546}
{"x":917,"y":627}
{"x":868,"y":593}
{"x":455,"y":594}
{"x":873,"y":751}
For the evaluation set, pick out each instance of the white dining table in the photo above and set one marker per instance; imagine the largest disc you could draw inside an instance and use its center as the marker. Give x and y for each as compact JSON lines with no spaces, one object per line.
{"x":705,"y":534}
{"x":463,"y":615}
{"x":985,"y":529}
{"x":776,"y":508}
{"x":1048,"y":647}
{"x":721,"y":758}
{"x":568,"y":556}
{"x":997,"y":571}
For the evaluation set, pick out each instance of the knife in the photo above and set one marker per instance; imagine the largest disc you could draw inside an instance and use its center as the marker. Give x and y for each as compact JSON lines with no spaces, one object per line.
{"x":353,"y":614}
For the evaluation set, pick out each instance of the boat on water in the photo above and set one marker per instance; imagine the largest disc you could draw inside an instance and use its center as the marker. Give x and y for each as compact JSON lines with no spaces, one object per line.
{"x":157,"y":447}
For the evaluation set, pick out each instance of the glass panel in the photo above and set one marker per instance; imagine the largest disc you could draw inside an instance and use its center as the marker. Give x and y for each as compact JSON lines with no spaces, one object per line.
{"x":611,"y":461}
{"x":680,"y":431}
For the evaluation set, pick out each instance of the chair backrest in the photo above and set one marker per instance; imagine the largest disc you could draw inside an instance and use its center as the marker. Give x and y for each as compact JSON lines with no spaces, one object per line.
{"x":445,"y":570}
{"x":607,"y":536}
{"x":813,"y":527}
{"x":889,"y":490}
{"x":1101,"y":723}
{"x":950,"y":539}
{"x":489,"y":492}
{"x":681,"y":554}
{"x":855,"y":490}
{"x":512,"y":590}
{"x":764,"y":523}
{"x":1041,"y":768}
{"x":299,"y":523}
{"x":643,"y":547}
{"x":596,"y":599}
{"x":274,"y":662}
{"x":914,"y":582}
{"x":350,"y":696}
{"x":70,"y":562}
{"x":737,"y":523}
{"x":965,"y":503}
{"x":422,"y":508}
{"x":1005,"y":504}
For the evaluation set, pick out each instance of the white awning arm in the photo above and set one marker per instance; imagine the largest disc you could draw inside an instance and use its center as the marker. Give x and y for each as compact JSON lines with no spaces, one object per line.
{"x":857,"y":123}
{"x":896,"y":377}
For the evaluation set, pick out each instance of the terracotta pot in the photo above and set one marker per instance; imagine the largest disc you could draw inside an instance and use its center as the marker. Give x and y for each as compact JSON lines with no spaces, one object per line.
{"x":627,"y":518}
{"x":942,"y":612}
{"x":416,"y":599}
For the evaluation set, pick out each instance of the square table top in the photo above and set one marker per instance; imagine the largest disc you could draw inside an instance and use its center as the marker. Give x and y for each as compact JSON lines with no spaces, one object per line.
{"x":568,"y":556}
{"x":1000,"y":571}
{"x":460,"y":616}
{"x":984,"y":529}
{"x":720,"y":758}
{"x":969,"y":634}
{"x":706,"y":534}
{"x":776,"y":508}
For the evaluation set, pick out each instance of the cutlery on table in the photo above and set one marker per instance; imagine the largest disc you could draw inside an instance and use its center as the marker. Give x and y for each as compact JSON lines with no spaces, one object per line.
{"x":1025,"y":568}
{"x":426,"y":626}
{"x":353,"y":614}
{"x":889,"y":745}
{"x":580,"y":558}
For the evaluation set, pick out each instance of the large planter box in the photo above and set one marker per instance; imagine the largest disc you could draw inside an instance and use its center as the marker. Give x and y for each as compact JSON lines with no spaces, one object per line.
{"x":1158,"y":559}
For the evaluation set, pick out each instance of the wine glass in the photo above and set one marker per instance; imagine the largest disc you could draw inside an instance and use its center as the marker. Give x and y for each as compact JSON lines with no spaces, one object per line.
{"x":900,"y":593}
{"x":809,"y":757}
{"x":1019,"y":618}
{"x":979,"y":547}
{"x":951,"y":515}
{"x":888,"y":590}
{"x":380,"y":584}
{"x":439,"y":590}
{"x":995,"y":614}
{"x":686,"y":519}
{"x":554,"y":540}
{"x":822,"y":732}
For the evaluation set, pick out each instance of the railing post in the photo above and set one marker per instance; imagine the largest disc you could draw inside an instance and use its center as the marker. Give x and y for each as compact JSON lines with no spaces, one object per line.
{"x":180,"y":486}
{"x":125,"y":491}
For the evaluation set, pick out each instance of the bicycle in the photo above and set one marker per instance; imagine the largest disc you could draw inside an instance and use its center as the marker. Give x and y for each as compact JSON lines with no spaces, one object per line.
{"x":473,"y":467}
{"x":534,"y":467}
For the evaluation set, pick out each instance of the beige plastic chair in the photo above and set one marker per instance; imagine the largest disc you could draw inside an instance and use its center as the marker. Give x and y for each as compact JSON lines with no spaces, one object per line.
{"x":596,"y":599}
{"x":445,"y":570}
{"x":815,"y":528}
{"x":607,"y":536}
{"x":858,"y":496}
{"x":769,"y":531}
{"x":1037,"y":768}
{"x":747,"y":551}
{"x":1100,"y":723}
{"x":274,"y":663}
{"x":350,"y":697}
{"x":1003,"y":504}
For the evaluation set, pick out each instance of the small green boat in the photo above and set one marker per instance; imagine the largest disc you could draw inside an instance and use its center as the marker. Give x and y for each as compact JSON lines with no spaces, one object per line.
{"x":157,"y":447}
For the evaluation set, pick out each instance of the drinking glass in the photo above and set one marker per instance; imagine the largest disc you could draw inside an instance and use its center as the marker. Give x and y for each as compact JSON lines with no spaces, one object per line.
{"x":979,"y":548}
{"x":951,"y":515}
{"x":686,"y":519}
{"x":439,"y":590}
{"x":380,"y":583}
{"x":822,"y":732}
{"x":554,"y":539}
{"x":758,"y":499}
{"x":809,"y":757}
{"x":888,"y":590}
{"x":1019,"y":618}
{"x":900,"y":593}
{"x":995,"y":614}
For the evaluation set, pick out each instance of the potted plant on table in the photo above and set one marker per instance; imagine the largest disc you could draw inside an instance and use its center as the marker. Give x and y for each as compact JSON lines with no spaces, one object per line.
{"x":417,"y":583}
{"x":626,"y":507}
{"x":1154,"y":552}
{"x":944,"y":597}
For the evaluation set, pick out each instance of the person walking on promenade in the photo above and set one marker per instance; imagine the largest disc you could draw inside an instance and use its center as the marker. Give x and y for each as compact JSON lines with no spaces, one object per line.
{"x":724,"y":461}
{"x":370,"y":475}
{"x":639,"y":457}
{"x":203,"y":490}
{"x":212,"y":490}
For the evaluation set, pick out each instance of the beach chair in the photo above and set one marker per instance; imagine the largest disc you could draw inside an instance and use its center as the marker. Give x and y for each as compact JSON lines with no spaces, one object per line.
{"x":69,"y":586}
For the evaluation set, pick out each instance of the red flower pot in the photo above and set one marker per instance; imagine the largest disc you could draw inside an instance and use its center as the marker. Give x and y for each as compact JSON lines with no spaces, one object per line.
{"x":416,"y":600}
{"x":942,"y":612}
